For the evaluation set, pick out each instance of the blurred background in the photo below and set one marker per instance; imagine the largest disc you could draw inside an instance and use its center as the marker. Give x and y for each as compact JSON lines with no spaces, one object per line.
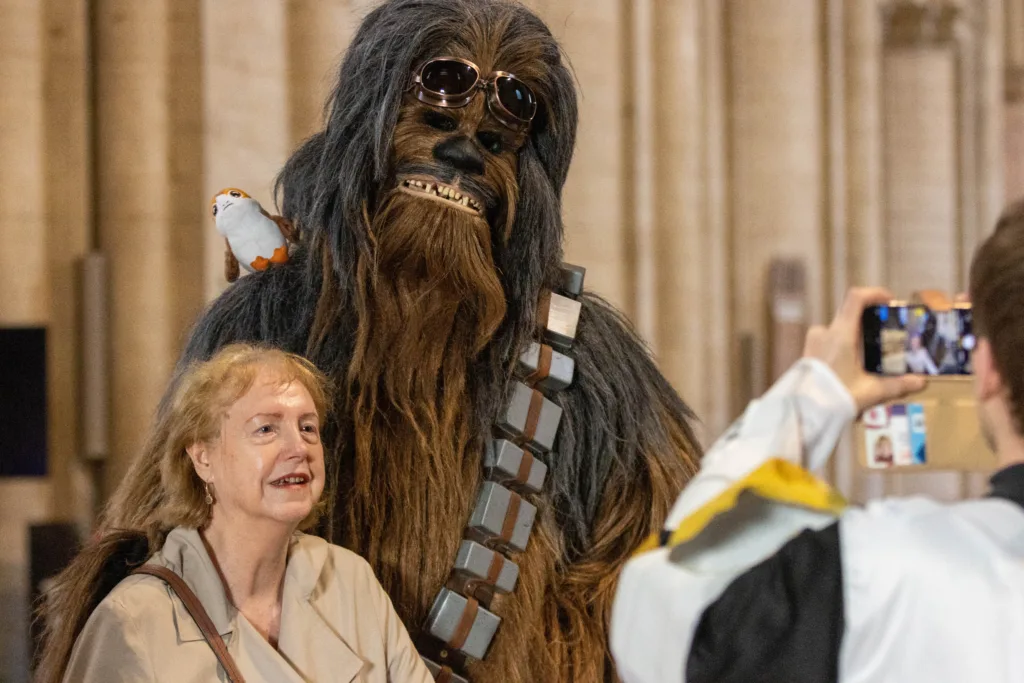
{"x":740,"y":163}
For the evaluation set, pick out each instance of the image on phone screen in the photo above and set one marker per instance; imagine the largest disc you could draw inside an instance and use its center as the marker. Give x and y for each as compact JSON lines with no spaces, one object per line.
{"x":900,"y":339}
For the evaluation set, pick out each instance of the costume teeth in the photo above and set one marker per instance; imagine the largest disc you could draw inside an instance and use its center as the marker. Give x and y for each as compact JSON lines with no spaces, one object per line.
{"x":445,"y":192}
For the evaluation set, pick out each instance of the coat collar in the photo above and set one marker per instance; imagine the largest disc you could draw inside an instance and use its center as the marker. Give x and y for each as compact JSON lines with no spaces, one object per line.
{"x":185,"y":554}
{"x":310,"y":647}
{"x":317,"y":649}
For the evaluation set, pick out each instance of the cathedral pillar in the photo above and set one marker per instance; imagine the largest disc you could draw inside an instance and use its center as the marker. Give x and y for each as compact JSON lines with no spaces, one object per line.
{"x":595,"y":199}
{"x":318,"y":33}
{"x":24,"y":289}
{"x":247,"y":133}
{"x":1014,"y":100}
{"x":690,"y":300}
{"x":863,"y":188}
{"x":777,"y":158}
{"x":134,"y":212}
{"x":923,"y":198}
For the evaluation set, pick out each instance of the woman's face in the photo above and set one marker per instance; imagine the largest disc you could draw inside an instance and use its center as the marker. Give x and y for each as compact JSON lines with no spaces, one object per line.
{"x":269,"y":462}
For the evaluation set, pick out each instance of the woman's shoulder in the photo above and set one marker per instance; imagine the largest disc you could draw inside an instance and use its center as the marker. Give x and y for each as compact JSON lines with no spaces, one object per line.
{"x":318,"y":551}
{"x":325,"y":568}
{"x":127,"y":613}
{"x":135,"y":597}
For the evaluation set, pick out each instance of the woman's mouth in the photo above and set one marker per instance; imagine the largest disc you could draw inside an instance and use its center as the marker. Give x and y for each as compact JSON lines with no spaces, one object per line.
{"x":291,"y":480}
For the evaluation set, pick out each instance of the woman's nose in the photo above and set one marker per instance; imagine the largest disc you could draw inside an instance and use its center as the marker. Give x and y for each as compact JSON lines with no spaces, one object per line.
{"x":295,"y":443}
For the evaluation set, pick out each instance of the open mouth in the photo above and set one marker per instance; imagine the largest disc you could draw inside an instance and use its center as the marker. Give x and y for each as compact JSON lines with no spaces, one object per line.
{"x":452,"y":196}
{"x":291,"y":480}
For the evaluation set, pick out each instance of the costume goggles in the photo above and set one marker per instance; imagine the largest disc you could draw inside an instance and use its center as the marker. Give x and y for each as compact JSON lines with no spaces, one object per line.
{"x":452,"y":82}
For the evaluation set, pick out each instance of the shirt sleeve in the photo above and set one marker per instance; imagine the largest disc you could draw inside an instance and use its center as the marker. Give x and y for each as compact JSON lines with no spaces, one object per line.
{"x":752,"y":497}
{"x":109,"y":649}
{"x":780,"y":621}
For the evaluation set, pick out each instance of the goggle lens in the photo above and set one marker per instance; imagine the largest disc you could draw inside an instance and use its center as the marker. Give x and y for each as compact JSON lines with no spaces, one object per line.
{"x":516,"y":97}
{"x":448,"y":78}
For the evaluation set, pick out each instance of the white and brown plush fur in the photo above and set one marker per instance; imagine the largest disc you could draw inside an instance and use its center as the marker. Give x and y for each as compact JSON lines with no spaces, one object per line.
{"x":252,"y":237}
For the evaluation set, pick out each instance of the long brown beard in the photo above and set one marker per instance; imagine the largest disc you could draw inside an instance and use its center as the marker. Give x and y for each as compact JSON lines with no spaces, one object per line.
{"x":432,"y":301}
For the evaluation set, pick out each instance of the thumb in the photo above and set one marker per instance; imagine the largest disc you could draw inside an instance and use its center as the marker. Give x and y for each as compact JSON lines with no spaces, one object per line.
{"x":874,"y":390}
{"x":904,"y":385}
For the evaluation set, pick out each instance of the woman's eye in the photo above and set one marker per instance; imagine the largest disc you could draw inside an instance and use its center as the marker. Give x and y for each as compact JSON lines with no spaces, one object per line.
{"x":310,"y":429}
{"x":265,"y":429}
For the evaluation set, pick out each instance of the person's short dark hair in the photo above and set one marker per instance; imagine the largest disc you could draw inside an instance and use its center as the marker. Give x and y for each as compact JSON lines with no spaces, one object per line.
{"x":997,"y":297}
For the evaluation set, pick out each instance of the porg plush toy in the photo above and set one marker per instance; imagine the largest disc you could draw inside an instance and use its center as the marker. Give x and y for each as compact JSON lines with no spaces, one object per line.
{"x":253,"y":237}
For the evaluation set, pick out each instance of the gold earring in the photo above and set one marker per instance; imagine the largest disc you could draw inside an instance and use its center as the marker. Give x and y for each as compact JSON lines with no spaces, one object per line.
{"x":209,"y":496}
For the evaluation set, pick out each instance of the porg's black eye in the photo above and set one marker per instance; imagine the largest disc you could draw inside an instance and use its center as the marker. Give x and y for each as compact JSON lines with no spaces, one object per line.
{"x":235,"y":194}
{"x":214,"y":209}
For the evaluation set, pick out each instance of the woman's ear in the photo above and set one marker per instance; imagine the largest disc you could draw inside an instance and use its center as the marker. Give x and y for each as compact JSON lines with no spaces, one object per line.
{"x":199,"y":452}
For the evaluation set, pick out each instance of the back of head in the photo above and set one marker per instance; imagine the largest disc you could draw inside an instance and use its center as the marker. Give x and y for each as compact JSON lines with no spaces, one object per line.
{"x":997,"y":298}
{"x":161,"y":489}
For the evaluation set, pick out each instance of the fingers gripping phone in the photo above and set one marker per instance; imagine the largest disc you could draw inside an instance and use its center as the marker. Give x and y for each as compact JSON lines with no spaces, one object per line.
{"x":910,"y":338}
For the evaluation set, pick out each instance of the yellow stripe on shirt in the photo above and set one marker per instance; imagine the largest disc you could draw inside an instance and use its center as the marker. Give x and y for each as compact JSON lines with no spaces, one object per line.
{"x":776,"y":480}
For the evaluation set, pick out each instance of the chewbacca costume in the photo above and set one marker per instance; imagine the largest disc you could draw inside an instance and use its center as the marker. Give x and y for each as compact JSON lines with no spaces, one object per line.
{"x":419,"y":310}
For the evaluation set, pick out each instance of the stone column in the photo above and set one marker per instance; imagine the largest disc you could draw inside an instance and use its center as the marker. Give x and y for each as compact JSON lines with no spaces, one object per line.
{"x":990,"y":120}
{"x":597,"y":221}
{"x":1014,"y":99}
{"x":70,"y":235}
{"x":718,"y":320}
{"x":643,"y":147}
{"x":189,"y":211}
{"x":922,"y":175}
{"x":247,"y":132}
{"x":863,"y":191}
{"x":24,"y":290}
{"x":778,"y":178}
{"x":134,"y":184}
{"x":318,"y":33}
{"x":1013,"y":154}
{"x":690,"y":309}
{"x":677,"y":196}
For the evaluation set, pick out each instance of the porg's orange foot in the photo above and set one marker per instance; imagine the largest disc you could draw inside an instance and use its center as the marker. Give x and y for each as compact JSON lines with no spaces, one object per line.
{"x":280,"y":255}
{"x":260,"y":263}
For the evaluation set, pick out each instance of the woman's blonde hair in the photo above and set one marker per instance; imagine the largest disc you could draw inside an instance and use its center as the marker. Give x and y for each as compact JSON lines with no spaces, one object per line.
{"x":162,"y":491}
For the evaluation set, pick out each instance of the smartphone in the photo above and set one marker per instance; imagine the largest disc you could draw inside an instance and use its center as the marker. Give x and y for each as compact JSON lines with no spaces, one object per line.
{"x":909,"y":338}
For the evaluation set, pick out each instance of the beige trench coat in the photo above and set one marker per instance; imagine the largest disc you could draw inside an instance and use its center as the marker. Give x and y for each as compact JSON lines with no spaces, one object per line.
{"x":337,"y":625}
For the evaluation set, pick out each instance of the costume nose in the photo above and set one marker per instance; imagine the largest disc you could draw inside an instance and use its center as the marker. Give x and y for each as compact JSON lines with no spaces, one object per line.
{"x":460,"y":153}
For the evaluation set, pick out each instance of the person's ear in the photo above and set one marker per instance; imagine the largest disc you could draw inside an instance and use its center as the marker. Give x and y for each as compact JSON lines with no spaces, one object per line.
{"x":988,"y":383}
{"x":199,"y":453}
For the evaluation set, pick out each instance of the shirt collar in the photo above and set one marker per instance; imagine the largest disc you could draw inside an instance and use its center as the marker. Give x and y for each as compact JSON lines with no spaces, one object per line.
{"x":1008,"y":483}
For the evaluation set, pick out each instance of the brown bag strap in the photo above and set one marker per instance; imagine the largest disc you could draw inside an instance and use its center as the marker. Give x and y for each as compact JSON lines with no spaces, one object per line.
{"x":202,"y":619}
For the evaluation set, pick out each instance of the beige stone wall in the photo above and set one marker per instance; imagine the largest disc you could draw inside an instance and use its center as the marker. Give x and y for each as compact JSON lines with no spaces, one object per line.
{"x":868,"y":138}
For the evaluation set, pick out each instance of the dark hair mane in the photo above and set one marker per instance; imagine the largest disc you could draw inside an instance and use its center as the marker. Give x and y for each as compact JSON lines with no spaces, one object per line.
{"x":329,"y":185}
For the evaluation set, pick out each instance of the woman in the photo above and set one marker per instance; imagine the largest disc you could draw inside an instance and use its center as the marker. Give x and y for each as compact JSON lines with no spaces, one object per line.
{"x":918,"y":359}
{"x":241,"y":470}
{"x":883,"y":451}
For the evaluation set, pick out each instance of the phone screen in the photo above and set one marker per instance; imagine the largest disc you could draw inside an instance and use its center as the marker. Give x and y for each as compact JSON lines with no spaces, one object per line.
{"x":901,"y":339}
